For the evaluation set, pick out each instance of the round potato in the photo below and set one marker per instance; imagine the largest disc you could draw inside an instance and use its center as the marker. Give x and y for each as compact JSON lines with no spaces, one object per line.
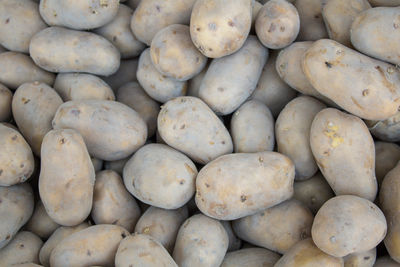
{"x":5,"y":103}
{"x":386,"y":130}
{"x":40,"y":223}
{"x":312,"y":26}
{"x":126,"y":73}
{"x":361,"y":259}
{"x":234,"y":242}
{"x":387,"y":155}
{"x":255,"y":257}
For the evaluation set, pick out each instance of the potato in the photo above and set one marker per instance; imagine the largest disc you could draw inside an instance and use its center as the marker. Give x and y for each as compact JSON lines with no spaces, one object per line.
{"x":100,"y":120}
{"x":384,"y":2}
{"x":97,"y":164}
{"x":159,"y":87}
{"x":126,"y":73}
{"x":82,"y":86}
{"x":344,"y":151}
{"x":23,"y":248}
{"x":230,"y":80}
{"x":5,"y":103}
{"x":268,"y":229}
{"x":66,"y":177}
{"x":234,"y":242}
{"x":162,"y":225}
{"x":40,"y":223}
{"x":361,"y":259}
{"x":254,"y":12}
{"x":226,"y":190}
{"x":387,"y":155}
{"x":117,"y":165}
{"x":142,"y":250}
{"x":252,"y":128}
{"x":133,"y":95}
{"x":119,"y":33}
{"x":312,"y":26}
{"x":219,"y":28}
{"x":189,"y":125}
{"x":21,"y":69}
{"x":306,"y":254}
{"x":255,"y":257}
{"x":386,"y":261}
{"x":348,"y":224}
{"x":381,"y":24}
{"x":16,"y":208}
{"x":386,"y":130}
{"x":94,"y":245}
{"x":195,"y":82}
{"x":277,"y":24}
{"x":112,"y":203}
{"x":79,"y":15}
{"x":201,"y":241}
{"x":293,"y":134}
{"x":160,"y":176}
{"x":58,"y":235}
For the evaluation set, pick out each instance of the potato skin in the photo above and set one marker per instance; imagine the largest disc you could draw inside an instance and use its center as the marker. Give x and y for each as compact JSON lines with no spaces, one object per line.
{"x":225,"y":189}
{"x":256,"y":257}
{"x":384,"y":2}
{"x":312,"y":26}
{"x":5,"y":103}
{"x":361,"y":259}
{"x":58,"y":49}
{"x":386,"y":130}
{"x":99,"y":120}
{"x":387,"y":155}
{"x":386,"y":261}
{"x":337,"y":226}
{"x":40,"y":223}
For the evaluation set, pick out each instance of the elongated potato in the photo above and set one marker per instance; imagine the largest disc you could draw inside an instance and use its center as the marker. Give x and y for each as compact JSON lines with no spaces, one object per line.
{"x":361,"y":259}
{"x":58,"y":49}
{"x":386,"y":261}
{"x":66,"y":177}
{"x":312,"y":26}
{"x":201,"y":241}
{"x":386,"y":130}
{"x":100,"y":120}
{"x":189,"y":125}
{"x":344,"y":151}
{"x":387,"y":155}
{"x":33,"y":106}
{"x":126,"y":73}
{"x":226,"y":190}
{"x":40,"y":223}
{"x":337,"y":226}
{"x":5,"y":103}
{"x":234,"y":242}
{"x":384,"y":2}
{"x":94,"y":245}
{"x":255,"y":257}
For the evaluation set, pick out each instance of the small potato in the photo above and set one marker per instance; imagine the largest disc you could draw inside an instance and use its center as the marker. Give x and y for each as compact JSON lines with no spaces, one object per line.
{"x":97,"y":164}
{"x":15,"y":210}
{"x":312,"y":26}
{"x":81,"y":86}
{"x":255,"y":257}
{"x":21,"y":69}
{"x":252,"y":128}
{"x":234,"y":242}
{"x":100,"y":120}
{"x":386,"y":261}
{"x":40,"y":223}
{"x":230,"y":80}
{"x":385,"y":2}
{"x":345,"y":153}
{"x":5,"y":103}
{"x":306,"y":254}
{"x":116,"y":165}
{"x":58,"y":49}
{"x":361,"y":259}
{"x":268,"y":229}
{"x":174,"y":55}
{"x":94,"y":245}
{"x":126,"y":73}
{"x":160,"y":176}
{"x":227,"y":190}
{"x":78,"y":14}
{"x":112,"y":203}
{"x":219,"y":28}
{"x":387,"y":155}
{"x":277,"y":24}
{"x":159,"y":87}
{"x":189,"y":125}
{"x":66,"y":177}
{"x":386,"y":130}
{"x":201,"y":241}
{"x":119,"y":33}
{"x":348,"y":224}
{"x":293,"y":134}
{"x":16,"y":158}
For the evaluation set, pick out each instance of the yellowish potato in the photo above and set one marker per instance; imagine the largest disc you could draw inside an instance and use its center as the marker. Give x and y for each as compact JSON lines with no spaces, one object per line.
{"x":40,"y":223}
{"x":5,"y":103}
{"x":387,"y":155}
{"x":255,"y":257}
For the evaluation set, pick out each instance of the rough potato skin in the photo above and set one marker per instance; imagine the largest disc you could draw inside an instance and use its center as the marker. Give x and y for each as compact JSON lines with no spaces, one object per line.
{"x":256,"y":257}
{"x":361,"y":259}
{"x":386,"y":130}
{"x":40,"y":223}
{"x":387,"y":155}
{"x":312,"y":26}
{"x":5,"y":103}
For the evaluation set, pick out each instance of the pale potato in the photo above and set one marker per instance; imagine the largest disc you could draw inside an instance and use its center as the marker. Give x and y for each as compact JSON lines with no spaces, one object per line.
{"x":255,"y":257}
{"x":40,"y":223}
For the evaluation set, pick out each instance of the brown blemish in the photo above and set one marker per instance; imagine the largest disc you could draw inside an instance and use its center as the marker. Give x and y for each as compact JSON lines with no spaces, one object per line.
{"x":22,"y":165}
{"x":173,"y":32}
{"x":114,"y":38}
{"x":388,"y":84}
{"x":210,"y":49}
{"x":282,"y":28}
{"x":123,"y":235}
{"x":211,"y":143}
{"x":221,"y":89}
{"x":158,"y":8}
{"x":182,"y":126}
{"x":62,"y":141}
{"x":25,"y":101}
{"x":8,"y":237}
{"x":198,"y":29}
{"x":243,"y":198}
{"x":68,"y":184}
{"x":189,"y":169}
{"x":7,"y":20}
{"x":260,"y":159}
{"x":181,"y":182}
{"x":21,"y":246}
{"x":144,"y":254}
{"x":316,"y":17}
{"x":366,"y":258}
{"x":328,"y":65}
{"x":356,"y":103}
{"x":231,"y":24}
{"x":14,"y":138}
{"x":207,"y":185}
{"x":223,"y":142}
{"x":88,"y":253}
{"x":365,"y":92}
{"x":272,"y":27}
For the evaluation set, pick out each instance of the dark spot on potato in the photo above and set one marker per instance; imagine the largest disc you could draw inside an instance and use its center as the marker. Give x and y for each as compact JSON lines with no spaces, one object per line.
{"x":231,"y":24}
{"x":123,"y":235}
{"x":158,"y":8}
{"x":243,"y":198}
{"x":173,"y":32}
{"x":1,"y":171}
{"x":7,"y":20}
{"x":366,"y":258}
{"x":198,"y":29}
{"x":212,"y":26}
{"x":114,"y":222}
{"x":365,"y":92}
{"x":181,"y":182}
{"x":210,"y":49}
{"x":282,"y":28}
{"x":329,"y":65}
{"x":207,"y":185}
{"x":272,"y":27}
{"x":62,"y":141}
{"x":8,"y":237}
{"x":22,"y":165}
{"x":1,"y":201}
{"x":21,"y":246}
{"x":223,"y":142}
{"x":114,"y":38}
{"x":75,"y":112}
{"x":89,"y":253}
{"x":183,"y":126}
{"x":303,"y":234}
{"x":14,"y":138}
{"x":186,"y":224}
{"x":316,"y":16}
{"x":260,"y":159}
{"x":130,"y":265}
{"x":25,"y":101}
{"x":221,"y":89}
{"x":395,"y":25}
{"x":197,"y":59}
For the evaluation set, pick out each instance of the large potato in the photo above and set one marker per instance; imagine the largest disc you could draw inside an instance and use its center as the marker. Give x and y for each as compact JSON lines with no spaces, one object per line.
{"x":227,"y":190}
{"x":386,"y":130}
{"x":255,"y":257}
{"x":312,"y":26}
{"x":361,"y":259}
{"x":111,"y":130}
{"x":189,"y":125}
{"x":219,"y":28}
{"x":58,"y":49}
{"x":126,"y":73}
{"x":345,"y":153}
{"x":40,"y":223}
{"x":348,"y":224}
{"x":5,"y":103}
{"x":387,"y":155}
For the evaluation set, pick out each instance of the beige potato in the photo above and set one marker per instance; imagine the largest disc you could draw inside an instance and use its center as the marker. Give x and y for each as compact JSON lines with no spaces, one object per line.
{"x":16,"y":159}
{"x":312,"y":26}
{"x":386,"y":261}
{"x":66,"y":177}
{"x":384,"y":2}
{"x":292,"y":130}
{"x":82,"y":86}
{"x":195,"y":82}
{"x":306,"y":254}
{"x":234,"y":242}
{"x":126,"y":73}
{"x":227,"y":190}
{"x":112,"y":203}
{"x":15,"y":210}
{"x":94,"y":245}
{"x":230,"y":80}
{"x":252,"y":128}
{"x":386,"y":130}
{"x":40,"y":223}
{"x":348,"y":224}
{"x":201,"y":241}
{"x":387,"y":155}
{"x":21,"y":69}
{"x":160,"y":176}
{"x":33,"y":106}
{"x":361,"y":259}
{"x":189,"y":125}
{"x":78,"y":14}
{"x":97,"y":164}
{"x":100,"y":120}
{"x":119,"y":33}
{"x":58,"y":49}
{"x":255,"y":257}
{"x":116,"y":165}
{"x":345,"y":153}
{"x":5,"y":103}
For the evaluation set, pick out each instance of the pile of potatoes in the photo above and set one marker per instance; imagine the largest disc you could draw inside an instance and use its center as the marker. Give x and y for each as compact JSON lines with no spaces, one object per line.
{"x":150,"y":133}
